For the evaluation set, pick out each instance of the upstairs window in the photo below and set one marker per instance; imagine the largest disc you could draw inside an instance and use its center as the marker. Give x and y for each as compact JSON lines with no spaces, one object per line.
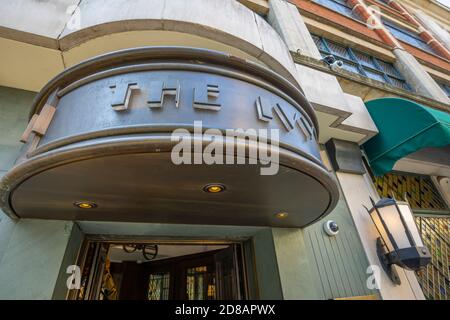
{"x":339,"y":6}
{"x":408,"y":36}
{"x":362,"y":63}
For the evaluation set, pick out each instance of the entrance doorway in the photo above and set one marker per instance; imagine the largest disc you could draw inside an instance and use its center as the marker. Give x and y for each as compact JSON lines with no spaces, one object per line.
{"x":152,"y":270}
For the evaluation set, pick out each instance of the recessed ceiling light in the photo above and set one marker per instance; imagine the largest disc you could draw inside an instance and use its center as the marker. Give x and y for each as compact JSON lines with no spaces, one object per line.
{"x":85,"y":205}
{"x":214,"y":188}
{"x":281,"y":215}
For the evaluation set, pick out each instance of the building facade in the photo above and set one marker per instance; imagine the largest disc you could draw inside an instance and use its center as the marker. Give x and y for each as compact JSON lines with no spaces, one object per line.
{"x":354,"y":95}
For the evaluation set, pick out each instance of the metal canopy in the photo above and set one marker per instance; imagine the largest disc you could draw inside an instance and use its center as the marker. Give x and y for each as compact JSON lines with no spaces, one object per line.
{"x":404,"y":127}
{"x":101,"y":132}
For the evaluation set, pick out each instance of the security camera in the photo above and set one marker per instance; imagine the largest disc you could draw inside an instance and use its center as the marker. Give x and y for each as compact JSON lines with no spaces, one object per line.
{"x":334,"y":63}
{"x":331,"y":228}
{"x":329,"y":60}
{"x":338,"y":64}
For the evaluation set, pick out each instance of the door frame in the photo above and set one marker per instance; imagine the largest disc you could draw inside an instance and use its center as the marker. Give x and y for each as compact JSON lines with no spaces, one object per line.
{"x":246,"y":269}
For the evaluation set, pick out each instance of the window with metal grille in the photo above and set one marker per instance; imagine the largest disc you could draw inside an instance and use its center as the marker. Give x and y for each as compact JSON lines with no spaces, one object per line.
{"x":419,"y":190}
{"x":339,"y":6}
{"x":434,"y":279}
{"x":408,"y":36}
{"x":362,"y":63}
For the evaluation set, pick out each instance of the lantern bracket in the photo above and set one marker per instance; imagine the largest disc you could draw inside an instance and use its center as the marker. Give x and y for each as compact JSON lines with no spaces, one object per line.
{"x":386,"y":262}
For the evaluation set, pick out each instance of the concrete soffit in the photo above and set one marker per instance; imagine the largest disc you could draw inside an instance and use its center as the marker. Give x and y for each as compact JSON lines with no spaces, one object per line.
{"x":341,"y":115}
{"x":48,"y":37}
{"x":259,"y":6}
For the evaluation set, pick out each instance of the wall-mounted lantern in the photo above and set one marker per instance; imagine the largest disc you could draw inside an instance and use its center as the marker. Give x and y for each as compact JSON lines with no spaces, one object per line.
{"x":399,"y":242}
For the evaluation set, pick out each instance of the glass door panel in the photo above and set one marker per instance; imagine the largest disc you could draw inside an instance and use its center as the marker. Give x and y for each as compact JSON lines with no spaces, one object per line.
{"x":200,"y":283}
{"x":159,"y":286}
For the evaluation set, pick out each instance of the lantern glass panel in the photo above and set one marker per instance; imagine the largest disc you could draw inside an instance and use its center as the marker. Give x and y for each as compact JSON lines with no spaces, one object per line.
{"x":410,"y":223}
{"x":394,"y":224}
{"x":381,"y":230}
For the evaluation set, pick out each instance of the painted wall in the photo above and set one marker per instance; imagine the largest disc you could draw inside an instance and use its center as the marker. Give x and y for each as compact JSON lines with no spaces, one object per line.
{"x":298,"y":275}
{"x":31,"y":251}
{"x":340,"y":261}
{"x":31,"y":262}
{"x":266,"y":267}
{"x":14,"y":108}
{"x":313,"y":265}
{"x":331,"y":267}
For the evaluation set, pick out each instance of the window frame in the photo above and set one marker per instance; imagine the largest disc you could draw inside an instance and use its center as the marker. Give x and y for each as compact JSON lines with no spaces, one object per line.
{"x":361,"y":67}
{"x":351,"y":14}
{"x":419,"y":42}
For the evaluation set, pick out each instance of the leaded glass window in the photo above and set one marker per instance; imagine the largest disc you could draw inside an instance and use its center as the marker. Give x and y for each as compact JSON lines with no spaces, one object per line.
{"x":435,"y":278}
{"x":200,"y":283}
{"x":419,"y":190}
{"x":158,"y":286}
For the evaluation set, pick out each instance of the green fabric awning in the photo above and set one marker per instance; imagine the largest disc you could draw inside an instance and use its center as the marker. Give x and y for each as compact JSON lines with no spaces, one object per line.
{"x":404,"y":127}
